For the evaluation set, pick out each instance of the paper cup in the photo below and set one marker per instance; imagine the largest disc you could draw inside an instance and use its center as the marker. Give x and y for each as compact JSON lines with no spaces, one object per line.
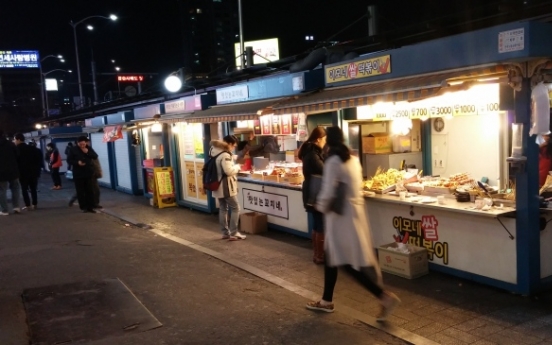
{"x":479,"y":204}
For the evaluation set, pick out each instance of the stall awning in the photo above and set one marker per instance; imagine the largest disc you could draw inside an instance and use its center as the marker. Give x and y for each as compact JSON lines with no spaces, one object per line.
{"x":405,"y":89}
{"x":233,"y":112}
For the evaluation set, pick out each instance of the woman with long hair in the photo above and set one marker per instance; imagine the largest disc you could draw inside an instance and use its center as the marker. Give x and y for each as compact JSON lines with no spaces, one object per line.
{"x":312,"y":156}
{"x":348,"y":239}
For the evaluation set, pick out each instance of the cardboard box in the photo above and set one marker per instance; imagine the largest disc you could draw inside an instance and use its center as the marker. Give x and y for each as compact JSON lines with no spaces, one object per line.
{"x":292,"y":179}
{"x":412,"y":265}
{"x":273,"y":178}
{"x":253,"y":222}
{"x":376,"y":143}
{"x":257,"y":176}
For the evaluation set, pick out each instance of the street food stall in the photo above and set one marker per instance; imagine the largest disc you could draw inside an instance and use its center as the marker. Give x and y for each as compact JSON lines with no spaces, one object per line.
{"x":472,"y":202}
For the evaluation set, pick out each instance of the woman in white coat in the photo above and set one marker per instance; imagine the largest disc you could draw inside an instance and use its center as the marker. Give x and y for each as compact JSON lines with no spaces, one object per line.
{"x":348,"y":240}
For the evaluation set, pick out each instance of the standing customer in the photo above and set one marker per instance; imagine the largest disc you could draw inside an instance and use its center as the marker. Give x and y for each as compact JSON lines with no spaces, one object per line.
{"x":348,"y":238}
{"x":313,"y":164}
{"x":55,"y":163}
{"x":9,"y":175}
{"x":80,"y":157}
{"x":67,"y":150}
{"x":227,"y":194}
{"x":30,"y":165}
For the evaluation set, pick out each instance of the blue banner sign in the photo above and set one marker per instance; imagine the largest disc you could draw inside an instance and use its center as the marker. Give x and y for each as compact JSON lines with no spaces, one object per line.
{"x":19,"y":59}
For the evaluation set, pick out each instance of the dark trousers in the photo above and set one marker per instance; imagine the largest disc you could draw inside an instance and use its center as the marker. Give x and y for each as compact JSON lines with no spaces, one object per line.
{"x":55,"y":177}
{"x":29,"y":184}
{"x":96,"y":191}
{"x":362,"y":276}
{"x":85,"y":193}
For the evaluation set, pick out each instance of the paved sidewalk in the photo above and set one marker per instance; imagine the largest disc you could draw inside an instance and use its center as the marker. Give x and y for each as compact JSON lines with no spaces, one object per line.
{"x":436,"y":308}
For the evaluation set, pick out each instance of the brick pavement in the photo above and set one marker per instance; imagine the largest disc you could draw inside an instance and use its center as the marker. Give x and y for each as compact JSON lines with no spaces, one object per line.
{"x":441,"y":308}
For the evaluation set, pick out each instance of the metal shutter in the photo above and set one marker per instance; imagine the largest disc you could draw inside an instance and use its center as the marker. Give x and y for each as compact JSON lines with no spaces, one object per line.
{"x":101,"y":149}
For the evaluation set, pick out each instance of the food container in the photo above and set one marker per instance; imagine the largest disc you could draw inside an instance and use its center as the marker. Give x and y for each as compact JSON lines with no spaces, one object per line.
{"x":462,"y":196}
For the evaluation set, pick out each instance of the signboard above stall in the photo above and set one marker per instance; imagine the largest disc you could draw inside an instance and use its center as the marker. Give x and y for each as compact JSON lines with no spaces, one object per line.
{"x":358,"y":69}
{"x":478,"y":100}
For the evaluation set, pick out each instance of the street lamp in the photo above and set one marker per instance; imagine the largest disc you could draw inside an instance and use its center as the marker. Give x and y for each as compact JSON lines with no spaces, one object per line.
{"x":42,"y":86}
{"x":44,"y":75}
{"x":74,"y":25}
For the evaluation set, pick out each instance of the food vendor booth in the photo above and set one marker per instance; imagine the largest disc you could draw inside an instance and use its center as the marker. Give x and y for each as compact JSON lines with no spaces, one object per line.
{"x":460,"y":107}
{"x":188,"y":140}
{"x":271,"y":182}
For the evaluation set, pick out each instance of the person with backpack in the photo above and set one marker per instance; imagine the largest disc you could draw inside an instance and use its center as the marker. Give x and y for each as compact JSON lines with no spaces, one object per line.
{"x":226,"y":190}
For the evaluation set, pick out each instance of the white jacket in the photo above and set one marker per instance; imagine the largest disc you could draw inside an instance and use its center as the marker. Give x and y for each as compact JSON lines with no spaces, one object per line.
{"x":348,"y":240}
{"x":226,"y":164}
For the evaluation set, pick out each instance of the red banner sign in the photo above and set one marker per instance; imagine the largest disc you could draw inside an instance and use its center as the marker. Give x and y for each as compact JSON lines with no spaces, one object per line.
{"x":112,"y":133}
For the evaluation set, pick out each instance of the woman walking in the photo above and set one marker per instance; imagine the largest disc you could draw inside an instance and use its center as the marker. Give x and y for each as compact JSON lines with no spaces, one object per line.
{"x":348,"y":238}
{"x":55,"y":163}
{"x":313,"y":164}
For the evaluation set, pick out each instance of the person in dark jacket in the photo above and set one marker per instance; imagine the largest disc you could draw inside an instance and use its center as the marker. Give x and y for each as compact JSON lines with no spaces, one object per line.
{"x":30,"y":165}
{"x":80,"y":157}
{"x":9,"y":176}
{"x":55,"y":163}
{"x":311,"y":153}
{"x":67,"y":150}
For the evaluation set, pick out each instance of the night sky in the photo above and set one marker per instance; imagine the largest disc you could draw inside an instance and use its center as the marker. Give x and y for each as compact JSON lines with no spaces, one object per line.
{"x":146,"y":38}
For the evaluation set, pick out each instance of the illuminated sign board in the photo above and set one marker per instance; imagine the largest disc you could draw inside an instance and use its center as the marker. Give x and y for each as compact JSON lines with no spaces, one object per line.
{"x":131,"y":78}
{"x":265,"y":51}
{"x":358,"y":69}
{"x":19,"y":59}
{"x":51,"y":84}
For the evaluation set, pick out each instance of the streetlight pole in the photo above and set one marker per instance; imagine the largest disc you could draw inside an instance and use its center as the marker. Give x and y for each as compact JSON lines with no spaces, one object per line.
{"x":42,"y":86}
{"x":42,"y":77}
{"x":242,"y":49}
{"x":74,"y":25}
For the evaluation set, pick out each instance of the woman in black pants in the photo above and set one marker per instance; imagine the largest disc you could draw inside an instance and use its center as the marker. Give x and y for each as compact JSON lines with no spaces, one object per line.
{"x":311,"y":154}
{"x":348,"y":240}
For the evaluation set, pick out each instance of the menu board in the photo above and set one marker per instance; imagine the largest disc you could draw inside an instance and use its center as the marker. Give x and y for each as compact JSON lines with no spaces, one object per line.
{"x":266,"y":124}
{"x":294,"y":123}
{"x":202,"y":193}
{"x":190,"y":173}
{"x":286,"y":124}
{"x":257,"y":127}
{"x":479,"y":100}
{"x":276,"y":125}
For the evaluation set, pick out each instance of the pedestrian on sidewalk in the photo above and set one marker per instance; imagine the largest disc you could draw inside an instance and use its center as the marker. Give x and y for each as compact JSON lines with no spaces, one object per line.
{"x":30,"y":165}
{"x":310,"y":153}
{"x":9,"y":175}
{"x":98,"y":173}
{"x":67,"y":150}
{"x":80,"y":157}
{"x":227,"y":193}
{"x":348,"y":239}
{"x":54,"y":164}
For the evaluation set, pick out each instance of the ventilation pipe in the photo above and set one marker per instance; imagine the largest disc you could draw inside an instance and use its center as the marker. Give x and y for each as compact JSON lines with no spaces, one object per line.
{"x":372,"y":20}
{"x":312,"y":60}
{"x":248,"y":57}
